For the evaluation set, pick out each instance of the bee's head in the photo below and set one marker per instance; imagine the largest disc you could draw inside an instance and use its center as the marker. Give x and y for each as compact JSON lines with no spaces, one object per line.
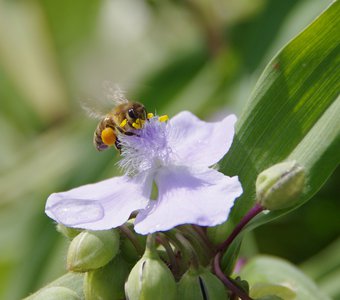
{"x":135,"y":111}
{"x":135,"y":115}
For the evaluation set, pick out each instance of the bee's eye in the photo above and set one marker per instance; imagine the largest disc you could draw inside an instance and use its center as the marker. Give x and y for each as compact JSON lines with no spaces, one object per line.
{"x":131,"y":113}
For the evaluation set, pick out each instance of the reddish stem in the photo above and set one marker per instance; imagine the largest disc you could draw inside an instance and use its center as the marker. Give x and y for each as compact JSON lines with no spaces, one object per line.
{"x":255,"y":210}
{"x":226,"y":281}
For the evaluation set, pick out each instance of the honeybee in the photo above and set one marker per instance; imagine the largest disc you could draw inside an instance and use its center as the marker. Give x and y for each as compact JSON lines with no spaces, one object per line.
{"x":124,"y":118}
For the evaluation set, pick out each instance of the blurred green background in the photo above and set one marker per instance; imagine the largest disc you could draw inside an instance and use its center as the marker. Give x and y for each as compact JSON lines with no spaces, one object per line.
{"x":198,"y":55}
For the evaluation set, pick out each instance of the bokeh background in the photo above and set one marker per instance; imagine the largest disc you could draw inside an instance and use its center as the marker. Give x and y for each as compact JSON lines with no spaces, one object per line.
{"x":198,"y":55}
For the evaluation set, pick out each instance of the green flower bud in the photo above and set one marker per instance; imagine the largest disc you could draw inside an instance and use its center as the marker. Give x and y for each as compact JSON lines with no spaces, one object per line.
{"x":107,"y":282}
{"x":280,"y":186}
{"x":55,"y":293}
{"x":199,"y":285}
{"x":150,"y":278}
{"x":91,"y":250}
{"x":68,"y":232}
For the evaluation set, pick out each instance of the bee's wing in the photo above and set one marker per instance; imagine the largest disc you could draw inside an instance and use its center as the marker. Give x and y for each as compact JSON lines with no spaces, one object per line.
{"x":98,"y":108}
{"x":92,"y":112}
{"x":114,"y":93}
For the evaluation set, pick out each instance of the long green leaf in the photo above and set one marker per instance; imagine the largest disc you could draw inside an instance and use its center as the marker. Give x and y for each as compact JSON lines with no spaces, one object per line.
{"x":292,"y":114}
{"x":273,"y":275}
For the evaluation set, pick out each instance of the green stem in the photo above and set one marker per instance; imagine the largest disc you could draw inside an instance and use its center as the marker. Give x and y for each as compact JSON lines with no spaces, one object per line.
{"x":150,"y":248}
{"x":194,"y":261}
{"x":202,"y":233}
{"x":184,"y":258}
{"x":172,"y":257}
{"x":201,"y":249}
{"x":132,"y":237}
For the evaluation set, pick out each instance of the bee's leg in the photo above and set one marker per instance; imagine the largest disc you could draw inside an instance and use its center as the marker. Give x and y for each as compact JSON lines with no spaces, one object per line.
{"x":122,"y":131}
{"x":129,"y":133}
{"x":118,"y":146}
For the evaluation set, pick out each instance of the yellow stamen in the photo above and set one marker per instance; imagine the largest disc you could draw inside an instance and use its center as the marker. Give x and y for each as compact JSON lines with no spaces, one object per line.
{"x":123,"y":123}
{"x":138,"y":121}
{"x":108,"y":136}
{"x":163,"y":118}
{"x":150,"y":115}
{"x":136,"y":126}
{"x":142,"y":122}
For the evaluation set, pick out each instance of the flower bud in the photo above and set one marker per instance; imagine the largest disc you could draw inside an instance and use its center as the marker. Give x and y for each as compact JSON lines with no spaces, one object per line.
{"x":68,"y":232}
{"x":150,"y":278}
{"x":200,"y":285}
{"x":55,"y":293}
{"x":280,"y":186}
{"x":107,"y":282}
{"x":91,"y":250}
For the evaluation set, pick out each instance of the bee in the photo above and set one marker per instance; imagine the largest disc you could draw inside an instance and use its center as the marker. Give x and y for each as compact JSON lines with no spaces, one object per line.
{"x":124,"y":118}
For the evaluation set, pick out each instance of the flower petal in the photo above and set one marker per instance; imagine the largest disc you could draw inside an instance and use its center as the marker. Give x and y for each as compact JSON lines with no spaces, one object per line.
{"x":186,"y":196}
{"x":103,"y":205}
{"x":200,"y":143}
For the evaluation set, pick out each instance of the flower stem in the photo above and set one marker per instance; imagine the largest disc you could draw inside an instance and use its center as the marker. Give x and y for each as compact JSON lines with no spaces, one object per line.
{"x":194,"y":261}
{"x":226,"y":281}
{"x":171,"y":235}
{"x":222,"y":248}
{"x":254,"y":211}
{"x":172,"y":257}
{"x":133,"y":239}
{"x":150,"y":247}
{"x":150,"y":242}
{"x":203,"y":251}
{"x":182,"y":257}
{"x":202,"y":233}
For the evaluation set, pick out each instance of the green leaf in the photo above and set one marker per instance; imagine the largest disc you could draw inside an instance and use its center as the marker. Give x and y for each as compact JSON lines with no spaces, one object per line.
{"x":71,"y":281}
{"x":292,"y":114}
{"x":276,"y":276}
{"x":269,"y":290}
{"x":323,"y":263}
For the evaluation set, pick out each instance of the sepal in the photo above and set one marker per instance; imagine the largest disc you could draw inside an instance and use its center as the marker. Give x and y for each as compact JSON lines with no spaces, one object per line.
{"x":150,"y":278}
{"x":68,"y":232}
{"x":107,"y":282}
{"x":201,"y":284}
{"x":91,"y":250}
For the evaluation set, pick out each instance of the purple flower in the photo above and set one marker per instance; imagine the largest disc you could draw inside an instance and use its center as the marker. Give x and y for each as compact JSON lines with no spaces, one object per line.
{"x":175,"y":156}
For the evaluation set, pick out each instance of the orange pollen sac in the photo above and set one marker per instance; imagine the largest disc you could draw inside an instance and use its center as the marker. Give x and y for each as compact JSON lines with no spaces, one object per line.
{"x":108,"y":136}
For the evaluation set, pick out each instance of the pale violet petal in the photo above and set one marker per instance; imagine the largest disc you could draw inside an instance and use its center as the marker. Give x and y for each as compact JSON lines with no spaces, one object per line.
{"x":103,"y":205}
{"x":199,"y":143}
{"x":71,"y":211}
{"x":185,"y":196}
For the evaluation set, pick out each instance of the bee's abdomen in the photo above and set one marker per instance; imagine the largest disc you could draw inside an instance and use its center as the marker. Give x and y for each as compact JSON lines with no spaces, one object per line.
{"x":97,"y":137}
{"x":97,"y":140}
